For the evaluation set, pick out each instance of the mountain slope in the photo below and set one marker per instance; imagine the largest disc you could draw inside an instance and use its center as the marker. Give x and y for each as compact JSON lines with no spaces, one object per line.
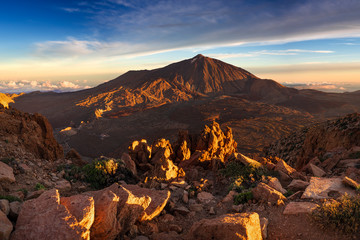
{"x":189,"y":79}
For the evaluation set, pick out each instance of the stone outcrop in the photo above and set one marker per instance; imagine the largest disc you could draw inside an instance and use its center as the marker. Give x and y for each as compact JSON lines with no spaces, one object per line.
{"x":5,"y":227}
{"x":31,"y":132}
{"x":315,"y":141}
{"x":47,"y":217}
{"x":118,"y":207}
{"x":140,"y":152}
{"x":321,"y":188}
{"x":297,"y":185}
{"x":103,"y":214}
{"x":228,"y":227}
{"x":211,"y":147}
{"x":164,"y":168}
{"x":264,"y":193}
{"x":6,"y":173}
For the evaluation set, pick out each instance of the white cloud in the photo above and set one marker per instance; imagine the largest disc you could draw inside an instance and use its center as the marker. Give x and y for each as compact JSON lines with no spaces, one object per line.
{"x":327,"y":87}
{"x":30,"y":86}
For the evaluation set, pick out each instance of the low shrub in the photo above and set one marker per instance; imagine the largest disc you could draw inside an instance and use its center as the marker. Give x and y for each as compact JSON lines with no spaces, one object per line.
{"x":105,"y":171}
{"x":343,"y":214}
{"x":10,"y":198}
{"x":241,"y":176}
{"x":39,"y":186}
{"x":243,"y":197}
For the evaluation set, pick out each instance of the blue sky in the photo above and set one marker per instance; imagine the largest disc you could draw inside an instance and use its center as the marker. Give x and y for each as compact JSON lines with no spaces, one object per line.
{"x":70,"y":45}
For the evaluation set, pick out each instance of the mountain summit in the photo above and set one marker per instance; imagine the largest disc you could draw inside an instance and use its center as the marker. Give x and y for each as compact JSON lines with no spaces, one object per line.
{"x":182,"y":81}
{"x":192,"y":78}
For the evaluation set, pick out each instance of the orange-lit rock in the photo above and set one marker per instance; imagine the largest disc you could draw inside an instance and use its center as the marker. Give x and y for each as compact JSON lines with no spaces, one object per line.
{"x":119,"y":207}
{"x":264,"y":193}
{"x":46,"y":218}
{"x":228,"y":227}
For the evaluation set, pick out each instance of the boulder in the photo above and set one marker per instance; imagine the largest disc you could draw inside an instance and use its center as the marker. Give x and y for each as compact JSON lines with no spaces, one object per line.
{"x":351,"y":183}
{"x":5,"y":227}
{"x":47,"y":218}
{"x":129,"y":163}
{"x":4,"y":206}
{"x":227,"y":227}
{"x":205,"y":197}
{"x":275,"y":184}
{"x":118,"y":207}
{"x":297,"y":185}
{"x":321,"y":188}
{"x":299,"y":208}
{"x":15,"y":209}
{"x":284,"y":167}
{"x":6,"y":173}
{"x":247,"y":161}
{"x":264,"y":193}
{"x":75,"y":157}
{"x":316,"y":171}
{"x":63,"y":185}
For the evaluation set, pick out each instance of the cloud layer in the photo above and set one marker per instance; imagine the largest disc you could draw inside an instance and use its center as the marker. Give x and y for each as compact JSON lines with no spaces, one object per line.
{"x":30,"y":86}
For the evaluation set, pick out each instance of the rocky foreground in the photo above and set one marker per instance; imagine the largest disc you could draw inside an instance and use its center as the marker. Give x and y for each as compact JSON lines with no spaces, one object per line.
{"x":198,"y":187}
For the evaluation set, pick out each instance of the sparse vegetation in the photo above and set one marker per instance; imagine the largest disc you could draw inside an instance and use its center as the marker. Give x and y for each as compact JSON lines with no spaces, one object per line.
{"x":288,"y":193}
{"x":243,"y":197}
{"x":7,"y":160}
{"x":10,"y":198}
{"x":24,"y":191}
{"x":243,"y":178}
{"x":39,"y":186}
{"x":354,"y":155}
{"x":105,"y":171}
{"x":343,"y":214}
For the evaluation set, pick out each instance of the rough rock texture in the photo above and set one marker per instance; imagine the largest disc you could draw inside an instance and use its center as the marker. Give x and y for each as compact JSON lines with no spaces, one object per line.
{"x":119,"y":207}
{"x":5,"y":226}
{"x":205,"y":197}
{"x":228,"y":227}
{"x":264,"y":193}
{"x":6,"y":173}
{"x":211,"y":147}
{"x":298,"y":149}
{"x":299,"y":208}
{"x":129,"y":163}
{"x":321,"y":188}
{"x":297,"y":185}
{"x":351,"y":183}
{"x":47,"y":217}
{"x":75,"y":157}
{"x":316,"y":171}
{"x":164,"y":168}
{"x":31,"y":132}
{"x":4,"y":206}
{"x":275,"y":184}
{"x":140,"y":152}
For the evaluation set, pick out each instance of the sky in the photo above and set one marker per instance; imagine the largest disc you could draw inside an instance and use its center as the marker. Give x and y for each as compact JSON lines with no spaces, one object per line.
{"x":63,"y":45}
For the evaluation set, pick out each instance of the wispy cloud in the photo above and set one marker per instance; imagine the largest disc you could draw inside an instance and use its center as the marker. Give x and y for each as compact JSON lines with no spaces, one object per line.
{"x":30,"y":86}
{"x":268,"y":52}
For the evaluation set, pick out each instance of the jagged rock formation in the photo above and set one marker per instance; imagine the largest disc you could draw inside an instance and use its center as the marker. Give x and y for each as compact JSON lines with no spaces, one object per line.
{"x":30,"y":132}
{"x":209,"y":149}
{"x":315,"y":141}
